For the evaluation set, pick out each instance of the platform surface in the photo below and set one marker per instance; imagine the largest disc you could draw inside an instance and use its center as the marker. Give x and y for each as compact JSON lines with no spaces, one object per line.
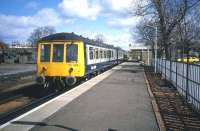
{"x":120,"y":102}
{"x":16,"y":68}
{"x":16,"y":76}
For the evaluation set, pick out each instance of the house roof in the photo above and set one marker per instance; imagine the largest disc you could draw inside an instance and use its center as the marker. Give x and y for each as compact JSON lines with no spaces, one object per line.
{"x":61,"y":36}
{"x":140,"y":47}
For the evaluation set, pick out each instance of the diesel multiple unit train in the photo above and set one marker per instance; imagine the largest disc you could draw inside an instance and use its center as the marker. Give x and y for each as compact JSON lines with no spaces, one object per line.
{"x":64,"y":58}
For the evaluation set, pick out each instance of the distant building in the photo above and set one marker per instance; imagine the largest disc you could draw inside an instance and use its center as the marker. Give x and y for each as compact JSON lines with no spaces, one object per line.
{"x":19,"y":53}
{"x":3,"y":46}
{"x":20,"y":44}
{"x":140,"y":53}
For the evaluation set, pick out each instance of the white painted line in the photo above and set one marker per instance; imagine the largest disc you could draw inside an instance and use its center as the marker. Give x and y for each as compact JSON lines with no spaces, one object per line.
{"x":45,"y":110}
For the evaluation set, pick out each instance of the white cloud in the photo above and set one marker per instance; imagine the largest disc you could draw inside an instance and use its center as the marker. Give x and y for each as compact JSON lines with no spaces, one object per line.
{"x":123,"y":22}
{"x":80,"y":8}
{"x":20,"y":27}
{"x":120,"y":16}
{"x":120,"y":5}
{"x":46,"y":17}
{"x":122,"y":40}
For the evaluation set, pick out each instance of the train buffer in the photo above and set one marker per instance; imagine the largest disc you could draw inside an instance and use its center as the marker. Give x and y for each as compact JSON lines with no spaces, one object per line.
{"x":116,"y":100}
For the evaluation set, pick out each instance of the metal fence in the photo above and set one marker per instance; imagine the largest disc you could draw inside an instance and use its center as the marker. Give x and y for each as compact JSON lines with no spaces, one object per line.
{"x":184,"y":77}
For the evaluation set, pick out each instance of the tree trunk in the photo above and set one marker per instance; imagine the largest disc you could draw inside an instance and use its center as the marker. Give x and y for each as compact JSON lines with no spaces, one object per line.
{"x":167,"y":54}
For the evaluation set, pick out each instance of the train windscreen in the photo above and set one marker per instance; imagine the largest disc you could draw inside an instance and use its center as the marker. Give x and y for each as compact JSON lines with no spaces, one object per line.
{"x":58,"y":51}
{"x":72,"y":52}
{"x":45,"y":53}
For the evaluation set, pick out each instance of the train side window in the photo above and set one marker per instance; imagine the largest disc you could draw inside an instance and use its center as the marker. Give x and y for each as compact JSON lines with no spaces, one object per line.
{"x":108,"y":53}
{"x":91,"y":53}
{"x":58,"y":50}
{"x":72,"y":52}
{"x":101,"y":54}
{"x":104,"y":54}
{"x":45,"y":53}
{"x":97,"y":54}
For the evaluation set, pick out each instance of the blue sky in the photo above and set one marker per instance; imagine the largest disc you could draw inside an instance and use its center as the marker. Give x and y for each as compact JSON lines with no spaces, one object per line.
{"x":18,"y":18}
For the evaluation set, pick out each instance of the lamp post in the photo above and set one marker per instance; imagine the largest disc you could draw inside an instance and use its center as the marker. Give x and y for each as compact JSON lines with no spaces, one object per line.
{"x":155,"y":46}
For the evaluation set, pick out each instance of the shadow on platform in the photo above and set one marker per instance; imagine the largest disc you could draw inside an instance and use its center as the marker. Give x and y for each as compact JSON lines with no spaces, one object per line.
{"x":130,"y":68}
{"x":42,"y":124}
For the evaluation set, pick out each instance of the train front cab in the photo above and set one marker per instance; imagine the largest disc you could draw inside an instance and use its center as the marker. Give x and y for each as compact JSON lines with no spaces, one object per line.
{"x":60,"y":62}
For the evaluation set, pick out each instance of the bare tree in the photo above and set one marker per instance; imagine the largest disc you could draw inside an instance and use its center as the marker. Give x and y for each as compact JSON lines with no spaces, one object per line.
{"x":187,"y":31}
{"x":39,"y":33}
{"x":99,"y":38}
{"x":166,"y":14}
{"x":144,"y":34}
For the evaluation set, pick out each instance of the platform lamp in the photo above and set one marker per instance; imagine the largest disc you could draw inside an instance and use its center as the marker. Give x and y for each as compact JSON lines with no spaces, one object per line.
{"x":155,"y":46}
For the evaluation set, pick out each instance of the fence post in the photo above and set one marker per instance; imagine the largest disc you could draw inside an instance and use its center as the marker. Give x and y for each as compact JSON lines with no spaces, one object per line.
{"x":170,"y":75}
{"x":159,"y":66}
{"x":162,"y":67}
{"x":176,"y":72}
{"x":187,"y":73}
{"x":165,"y":68}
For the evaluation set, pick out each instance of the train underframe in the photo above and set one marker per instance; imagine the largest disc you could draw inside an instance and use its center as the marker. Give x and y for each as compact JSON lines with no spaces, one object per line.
{"x":57,"y":82}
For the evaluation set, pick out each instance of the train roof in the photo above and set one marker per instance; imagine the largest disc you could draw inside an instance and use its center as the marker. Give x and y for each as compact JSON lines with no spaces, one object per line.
{"x":61,"y":36}
{"x":72,"y":36}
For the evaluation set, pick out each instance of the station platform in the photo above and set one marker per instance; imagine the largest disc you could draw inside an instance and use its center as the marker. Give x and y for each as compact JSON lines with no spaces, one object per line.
{"x":16,"y":76}
{"x":6,"y":69}
{"x":116,"y":100}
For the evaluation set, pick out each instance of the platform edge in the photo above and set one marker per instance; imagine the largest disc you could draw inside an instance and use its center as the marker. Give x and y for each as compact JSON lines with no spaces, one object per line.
{"x":156,"y":110}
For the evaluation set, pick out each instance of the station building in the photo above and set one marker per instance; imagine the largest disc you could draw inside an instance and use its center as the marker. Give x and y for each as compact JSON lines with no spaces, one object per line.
{"x":140,"y":54}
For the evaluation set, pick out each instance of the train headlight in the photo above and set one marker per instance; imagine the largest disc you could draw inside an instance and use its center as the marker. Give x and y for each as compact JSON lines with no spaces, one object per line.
{"x":44,"y":69}
{"x":70,"y":70}
{"x":41,"y":79}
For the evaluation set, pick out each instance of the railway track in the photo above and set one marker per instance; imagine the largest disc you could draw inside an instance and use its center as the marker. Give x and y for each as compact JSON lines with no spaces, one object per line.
{"x":21,"y":101}
{"x":18,"y":102}
{"x":176,"y":113}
